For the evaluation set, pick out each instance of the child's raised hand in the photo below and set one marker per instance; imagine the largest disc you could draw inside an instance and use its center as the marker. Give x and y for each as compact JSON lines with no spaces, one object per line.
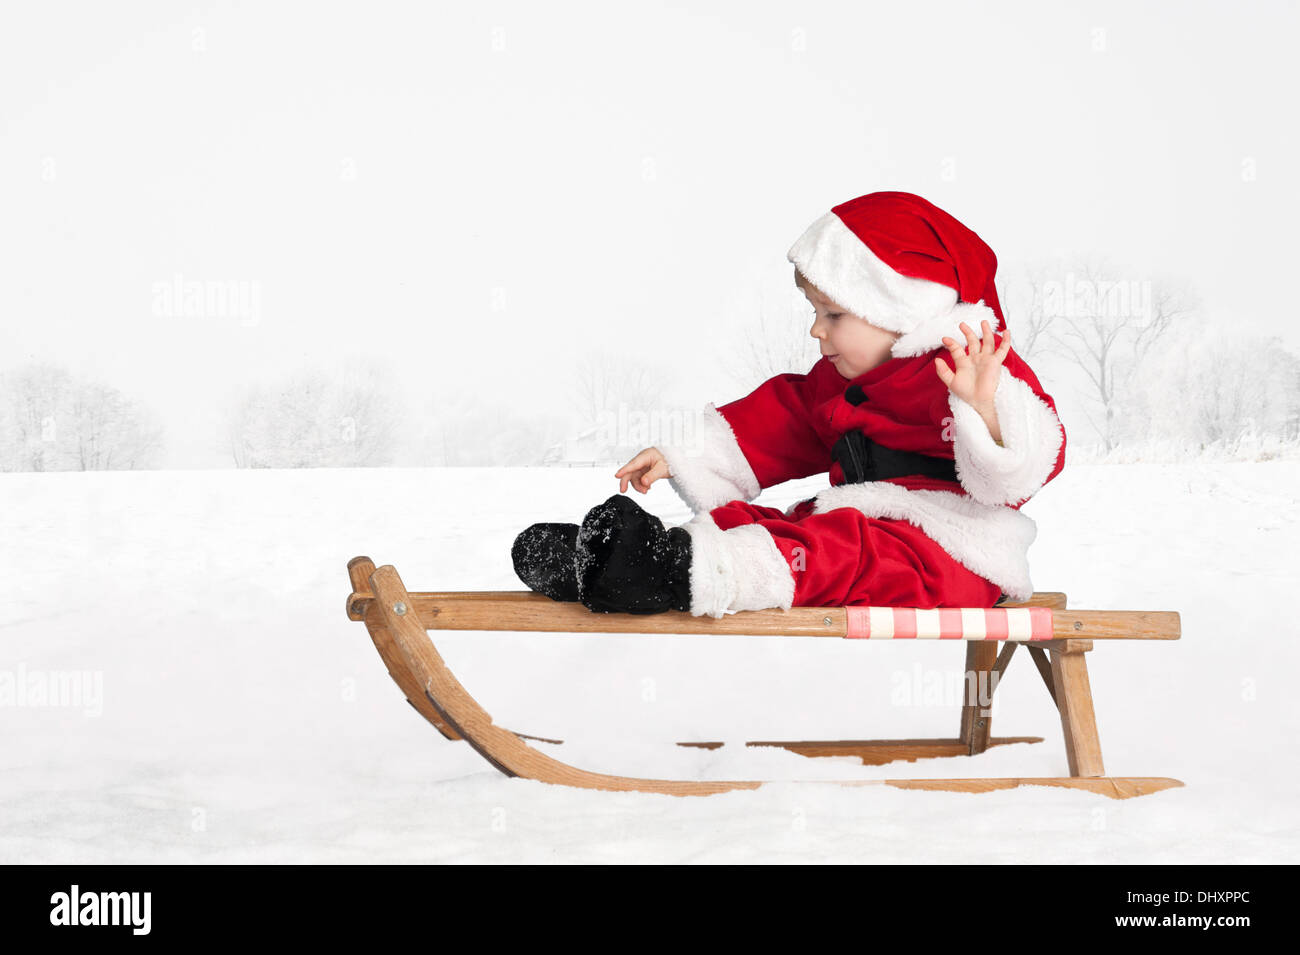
{"x":977,"y":371}
{"x":643,"y":470}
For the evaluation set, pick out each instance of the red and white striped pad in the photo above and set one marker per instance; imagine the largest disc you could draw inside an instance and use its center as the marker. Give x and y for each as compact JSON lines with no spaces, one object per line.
{"x":950,"y":623}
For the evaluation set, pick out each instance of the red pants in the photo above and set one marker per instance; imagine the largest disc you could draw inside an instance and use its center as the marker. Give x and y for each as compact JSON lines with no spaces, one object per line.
{"x":844,"y":558}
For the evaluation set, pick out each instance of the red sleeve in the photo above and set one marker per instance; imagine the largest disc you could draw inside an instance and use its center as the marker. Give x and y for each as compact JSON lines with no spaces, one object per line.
{"x":774,"y":424}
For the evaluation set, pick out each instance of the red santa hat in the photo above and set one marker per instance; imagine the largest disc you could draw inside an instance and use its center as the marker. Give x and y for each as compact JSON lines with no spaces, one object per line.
{"x":902,"y":264}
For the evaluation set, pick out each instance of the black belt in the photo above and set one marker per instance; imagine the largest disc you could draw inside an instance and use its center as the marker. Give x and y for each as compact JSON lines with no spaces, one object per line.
{"x":862,"y":459}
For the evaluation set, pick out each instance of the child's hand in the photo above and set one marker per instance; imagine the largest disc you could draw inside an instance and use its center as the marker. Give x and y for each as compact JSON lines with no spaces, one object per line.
{"x":643,"y":470}
{"x":977,"y":372}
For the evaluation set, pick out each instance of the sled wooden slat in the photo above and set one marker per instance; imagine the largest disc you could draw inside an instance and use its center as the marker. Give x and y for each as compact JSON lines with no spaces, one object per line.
{"x":399,"y":623}
{"x":877,"y":752}
{"x":528,"y":611}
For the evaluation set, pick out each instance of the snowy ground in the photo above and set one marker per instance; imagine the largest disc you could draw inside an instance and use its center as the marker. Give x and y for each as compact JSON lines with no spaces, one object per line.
{"x":244,"y":718}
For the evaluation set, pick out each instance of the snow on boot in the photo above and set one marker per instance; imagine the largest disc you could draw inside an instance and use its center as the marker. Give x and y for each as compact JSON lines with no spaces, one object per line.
{"x":627,"y":562}
{"x":543,"y":555}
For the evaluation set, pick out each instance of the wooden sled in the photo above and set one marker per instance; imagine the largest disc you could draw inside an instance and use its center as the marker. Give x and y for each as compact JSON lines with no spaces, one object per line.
{"x":399,"y":623}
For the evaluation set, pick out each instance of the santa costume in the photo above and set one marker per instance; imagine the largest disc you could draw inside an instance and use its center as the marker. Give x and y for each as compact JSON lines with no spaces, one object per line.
{"x":924,"y":506}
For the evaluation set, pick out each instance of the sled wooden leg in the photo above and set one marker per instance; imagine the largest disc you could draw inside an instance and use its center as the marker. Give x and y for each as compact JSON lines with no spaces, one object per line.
{"x":359,"y":571}
{"x":977,"y":712}
{"x":1039,"y":656}
{"x":984,"y":670}
{"x":1074,"y":700}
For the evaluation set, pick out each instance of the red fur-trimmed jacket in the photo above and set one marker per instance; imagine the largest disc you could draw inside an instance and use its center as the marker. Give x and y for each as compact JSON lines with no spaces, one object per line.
{"x":785,"y":429}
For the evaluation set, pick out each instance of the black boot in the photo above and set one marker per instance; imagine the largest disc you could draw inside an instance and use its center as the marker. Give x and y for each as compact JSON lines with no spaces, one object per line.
{"x":544,"y":559}
{"x":627,"y":562}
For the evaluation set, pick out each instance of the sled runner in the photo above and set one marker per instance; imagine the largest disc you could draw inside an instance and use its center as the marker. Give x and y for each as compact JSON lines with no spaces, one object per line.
{"x":1056,"y":640}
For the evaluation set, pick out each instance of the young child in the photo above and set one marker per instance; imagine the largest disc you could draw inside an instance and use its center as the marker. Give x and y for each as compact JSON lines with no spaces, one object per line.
{"x":933,"y":430}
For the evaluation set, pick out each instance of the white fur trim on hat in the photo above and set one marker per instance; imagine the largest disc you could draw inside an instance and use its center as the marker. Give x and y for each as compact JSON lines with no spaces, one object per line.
{"x":1031,"y":436}
{"x":929,"y":335}
{"x":710,"y":469}
{"x":737,"y":569}
{"x":992,"y":542}
{"x":843,"y":267}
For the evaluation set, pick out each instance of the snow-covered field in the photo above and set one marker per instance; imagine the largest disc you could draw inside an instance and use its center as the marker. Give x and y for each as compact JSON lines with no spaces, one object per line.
{"x":234,"y":714}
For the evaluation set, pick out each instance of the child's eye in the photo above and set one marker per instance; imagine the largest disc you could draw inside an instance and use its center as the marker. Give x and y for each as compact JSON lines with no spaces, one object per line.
{"x":834,"y":314}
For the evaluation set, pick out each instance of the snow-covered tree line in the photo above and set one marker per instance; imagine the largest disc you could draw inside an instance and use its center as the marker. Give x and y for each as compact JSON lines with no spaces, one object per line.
{"x":316,"y":418}
{"x":358,"y":417}
{"x":1147,"y":369}
{"x":51,"y":421}
{"x":1135,"y":366}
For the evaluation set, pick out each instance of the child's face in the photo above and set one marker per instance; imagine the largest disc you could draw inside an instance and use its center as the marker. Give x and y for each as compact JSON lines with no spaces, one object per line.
{"x":856,"y":345}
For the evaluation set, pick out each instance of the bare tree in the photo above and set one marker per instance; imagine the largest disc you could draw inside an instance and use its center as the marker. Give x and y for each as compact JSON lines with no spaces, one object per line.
{"x":1107,"y":324}
{"x":110,"y":432}
{"x":602,"y":382}
{"x":608,"y":390}
{"x":461,"y":430}
{"x":775,"y":342}
{"x":32,"y":404}
{"x":317,"y":418}
{"x":1029,"y":318}
{"x":1290,"y":388}
{"x":1208,"y":391}
{"x":1244,"y":390}
{"x":51,"y":421}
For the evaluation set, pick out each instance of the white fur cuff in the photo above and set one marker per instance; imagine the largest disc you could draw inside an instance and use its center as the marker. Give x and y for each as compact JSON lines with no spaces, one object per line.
{"x":710,"y":469}
{"x":734,"y":570}
{"x":1031,"y":435}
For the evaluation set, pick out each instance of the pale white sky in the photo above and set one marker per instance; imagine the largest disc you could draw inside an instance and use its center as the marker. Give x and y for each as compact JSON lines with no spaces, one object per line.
{"x":627,"y":176}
